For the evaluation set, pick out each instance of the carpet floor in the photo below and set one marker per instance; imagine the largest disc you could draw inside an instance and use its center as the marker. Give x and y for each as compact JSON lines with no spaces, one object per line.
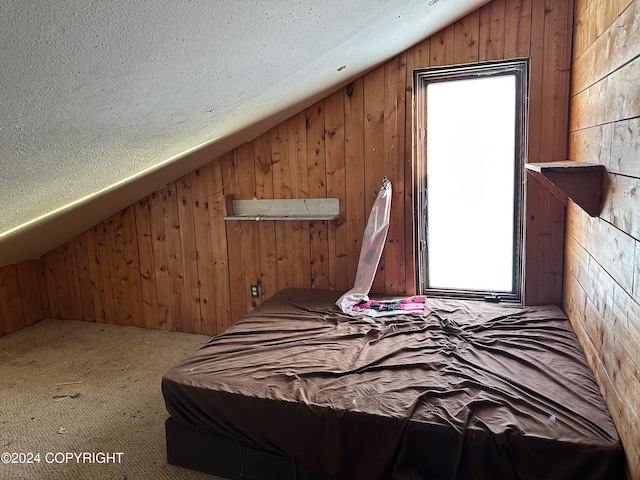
{"x":82,"y":400}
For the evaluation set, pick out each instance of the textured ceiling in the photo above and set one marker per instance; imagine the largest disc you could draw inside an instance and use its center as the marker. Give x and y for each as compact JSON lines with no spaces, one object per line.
{"x":98,"y":94}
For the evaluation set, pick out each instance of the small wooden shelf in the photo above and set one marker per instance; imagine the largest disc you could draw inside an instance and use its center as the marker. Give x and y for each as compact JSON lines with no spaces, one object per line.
{"x":282,"y":209}
{"x":579,"y":181}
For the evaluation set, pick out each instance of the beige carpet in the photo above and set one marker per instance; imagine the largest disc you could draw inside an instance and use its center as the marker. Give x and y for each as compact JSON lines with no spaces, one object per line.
{"x":71,"y":387}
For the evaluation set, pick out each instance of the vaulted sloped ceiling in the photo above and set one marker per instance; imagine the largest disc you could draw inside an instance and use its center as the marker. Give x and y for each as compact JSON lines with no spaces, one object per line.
{"x":103,"y":99}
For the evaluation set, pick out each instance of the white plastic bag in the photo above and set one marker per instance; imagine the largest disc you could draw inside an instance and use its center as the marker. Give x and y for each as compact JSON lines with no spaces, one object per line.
{"x":375,"y":235}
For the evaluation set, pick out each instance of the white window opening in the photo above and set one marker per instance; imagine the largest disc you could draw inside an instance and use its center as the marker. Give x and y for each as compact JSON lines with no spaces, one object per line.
{"x":470,"y":148}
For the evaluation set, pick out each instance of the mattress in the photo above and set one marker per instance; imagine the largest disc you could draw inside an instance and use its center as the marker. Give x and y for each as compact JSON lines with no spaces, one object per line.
{"x":467,"y":390}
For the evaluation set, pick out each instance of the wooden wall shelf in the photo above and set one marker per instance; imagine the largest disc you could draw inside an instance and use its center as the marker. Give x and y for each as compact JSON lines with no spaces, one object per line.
{"x":282,"y":209}
{"x":579,"y":181}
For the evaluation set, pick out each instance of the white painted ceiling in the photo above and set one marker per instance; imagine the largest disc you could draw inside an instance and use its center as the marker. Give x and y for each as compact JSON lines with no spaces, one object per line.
{"x":99,"y":95}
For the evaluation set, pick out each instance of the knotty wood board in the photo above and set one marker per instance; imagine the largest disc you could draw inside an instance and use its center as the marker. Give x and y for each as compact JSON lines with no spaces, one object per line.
{"x":97,"y":285}
{"x":558,"y":18}
{"x":236,"y":235}
{"x":61,"y":283}
{"x":621,"y":206}
{"x":593,"y":18}
{"x":492,"y":31}
{"x":149,"y":296}
{"x":374,"y":151}
{"x":219,"y":250}
{"x":337,"y":183}
{"x":248,"y":271}
{"x":11,"y":311}
{"x":117,"y":269}
{"x":536,"y":77}
{"x":318,"y":179}
{"x":394,"y":84}
{"x":160,"y":261}
{"x":173,"y":229}
{"x":592,"y":144}
{"x":517,"y":35}
{"x":50,"y":282}
{"x":442,"y":48}
{"x":466,"y":46}
{"x":29,"y":285}
{"x":132,"y":281}
{"x":200,"y":196}
{"x":611,"y":248}
{"x":544,"y":232}
{"x":355,"y":213}
{"x":619,"y":43}
{"x":84,"y":277}
{"x":189,"y":253}
{"x":266,"y":230}
{"x":602,"y":103}
{"x":625,"y":145}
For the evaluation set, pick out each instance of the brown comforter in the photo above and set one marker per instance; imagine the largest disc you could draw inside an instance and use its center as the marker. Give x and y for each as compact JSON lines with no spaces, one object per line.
{"x":469,"y":390}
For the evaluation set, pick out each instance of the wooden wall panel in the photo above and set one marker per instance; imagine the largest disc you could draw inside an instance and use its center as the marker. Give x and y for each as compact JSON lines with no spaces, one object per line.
{"x":517,"y":35}
{"x":163,"y":319}
{"x":620,"y":45}
{"x":549,"y":75}
{"x":466,"y":45}
{"x":543,"y":248}
{"x":266,"y":230}
{"x":337,"y":185}
{"x":97,"y":284}
{"x":625,"y":144}
{"x":149,"y":296}
{"x":175,"y":251}
{"x":318,"y":179}
{"x":171,"y":261}
{"x":84,"y":276}
{"x":132,"y":280}
{"x":221,"y":287}
{"x":394,"y":136}
{"x":355,"y":214}
{"x":492,"y":31}
{"x":374,"y":151}
{"x":602,"y":103}
{"x":188,"y":257}
{"x":28,"y":281}
{"x":24,"y":297}
{"x":442,"y":48}
{"x":604,"y":128}
{"x":11,"y":311}
{"x":206,"y":318}
{"x":240,"y":233}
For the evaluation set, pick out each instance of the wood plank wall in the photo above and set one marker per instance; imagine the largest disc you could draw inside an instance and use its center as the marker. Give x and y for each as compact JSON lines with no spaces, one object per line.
{"x":23,"y":296}
{"x":602,"y":281}
{"x":170,"y":260}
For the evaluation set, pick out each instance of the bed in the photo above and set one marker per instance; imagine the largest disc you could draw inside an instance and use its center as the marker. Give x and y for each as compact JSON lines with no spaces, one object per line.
{"x":469,"y":390}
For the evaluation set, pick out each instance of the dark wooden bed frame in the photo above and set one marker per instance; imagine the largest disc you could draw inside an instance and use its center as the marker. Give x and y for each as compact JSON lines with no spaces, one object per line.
{"x":228,"y":458}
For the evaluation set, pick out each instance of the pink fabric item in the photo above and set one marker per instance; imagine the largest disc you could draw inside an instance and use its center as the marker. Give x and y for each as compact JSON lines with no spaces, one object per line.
{"x":379,"y":308}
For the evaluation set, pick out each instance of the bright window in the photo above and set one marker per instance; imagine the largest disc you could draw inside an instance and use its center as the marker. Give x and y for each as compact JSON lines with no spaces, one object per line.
{"x":470,"y":146}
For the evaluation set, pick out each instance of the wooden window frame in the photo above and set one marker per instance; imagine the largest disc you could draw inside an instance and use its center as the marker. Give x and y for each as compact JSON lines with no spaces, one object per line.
{"x":421,"y":78}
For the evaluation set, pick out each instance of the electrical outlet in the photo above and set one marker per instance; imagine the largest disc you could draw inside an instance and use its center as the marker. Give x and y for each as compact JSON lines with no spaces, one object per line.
{"x":254,"y":291}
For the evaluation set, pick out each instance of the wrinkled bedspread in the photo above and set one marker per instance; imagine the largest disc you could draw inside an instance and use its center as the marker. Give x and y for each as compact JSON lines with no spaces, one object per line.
{"x":468,"y":390}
